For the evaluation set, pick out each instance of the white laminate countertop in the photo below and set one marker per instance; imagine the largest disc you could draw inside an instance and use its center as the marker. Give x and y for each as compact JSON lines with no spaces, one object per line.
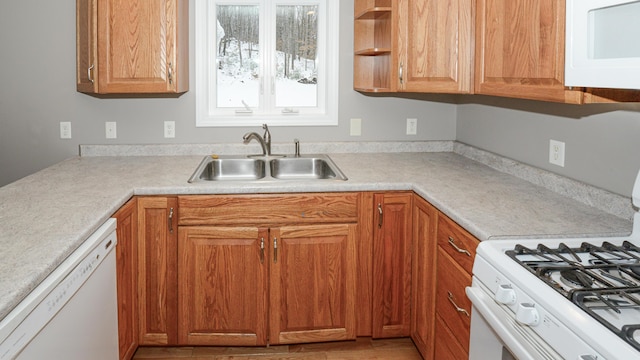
{"x":46,"y":216}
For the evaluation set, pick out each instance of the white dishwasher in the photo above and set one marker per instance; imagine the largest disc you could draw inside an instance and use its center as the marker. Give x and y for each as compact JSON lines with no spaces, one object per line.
{"x":72,"y":314}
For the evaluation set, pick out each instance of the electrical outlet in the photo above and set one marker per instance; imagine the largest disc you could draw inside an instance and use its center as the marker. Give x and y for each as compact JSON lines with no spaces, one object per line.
{"x":169,"y":129}
{"x":556,"y":152}
{"x":65,"y":130}
{"x":110,"y":130}
{"x":412,"y":126}
{"x":356,"y":127}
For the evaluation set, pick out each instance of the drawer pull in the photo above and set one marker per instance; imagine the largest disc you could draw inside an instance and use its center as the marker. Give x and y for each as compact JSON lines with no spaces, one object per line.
{"x":463,"y":251}
{"x":458,"y":308}
{"x":379,"y":215}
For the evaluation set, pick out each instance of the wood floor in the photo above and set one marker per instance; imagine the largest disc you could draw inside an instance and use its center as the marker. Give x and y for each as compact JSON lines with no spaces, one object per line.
{"x":362,"y":348}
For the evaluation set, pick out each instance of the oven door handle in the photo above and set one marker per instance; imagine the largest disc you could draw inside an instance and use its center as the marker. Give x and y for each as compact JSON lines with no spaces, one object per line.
{"x":500,"y":322}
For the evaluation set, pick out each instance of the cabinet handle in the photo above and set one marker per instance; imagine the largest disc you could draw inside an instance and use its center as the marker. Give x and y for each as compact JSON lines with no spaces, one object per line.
{"x":170,"y":70}
{"x":401,"y":73}
{"x":261,"y":250}
{"x":275,"y":250}
{"x":89,"y":73}
{"x":171,"y":220}
{"x":463,"y":251}
{"x":458,"y":309}
{"x":379,"y":215}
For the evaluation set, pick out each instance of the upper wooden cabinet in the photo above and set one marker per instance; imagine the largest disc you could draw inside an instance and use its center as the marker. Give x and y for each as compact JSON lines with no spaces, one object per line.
{"x":509,"y":48}
{"x":435,"y":46}
{"x":375,"y":57}
{"x":132,"y":47}
{"x":520,"y":50}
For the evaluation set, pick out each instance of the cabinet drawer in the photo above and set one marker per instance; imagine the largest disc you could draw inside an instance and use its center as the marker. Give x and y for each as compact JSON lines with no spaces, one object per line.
{"x":457,"y":242}
{"x":450,"y":289}
{"x":447,"y":344}
{"x":268,"y":209}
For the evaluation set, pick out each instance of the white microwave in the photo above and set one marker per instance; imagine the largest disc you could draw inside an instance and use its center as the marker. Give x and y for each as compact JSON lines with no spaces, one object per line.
{"x":603,"y":44}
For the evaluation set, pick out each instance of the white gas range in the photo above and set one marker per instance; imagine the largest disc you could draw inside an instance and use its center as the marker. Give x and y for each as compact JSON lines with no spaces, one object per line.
{"x":576,"y":299}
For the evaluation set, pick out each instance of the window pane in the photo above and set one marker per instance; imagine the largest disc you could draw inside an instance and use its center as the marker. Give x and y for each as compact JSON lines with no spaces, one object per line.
{"x":296,"y":54}
{"x":238,"y":56}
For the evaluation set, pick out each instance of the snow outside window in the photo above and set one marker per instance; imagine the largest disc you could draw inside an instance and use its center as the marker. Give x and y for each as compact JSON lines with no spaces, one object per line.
{"x":266,"y":61}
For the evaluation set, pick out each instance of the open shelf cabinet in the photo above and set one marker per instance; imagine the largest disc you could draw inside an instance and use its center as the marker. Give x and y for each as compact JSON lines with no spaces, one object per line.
{"x":374,"y":50}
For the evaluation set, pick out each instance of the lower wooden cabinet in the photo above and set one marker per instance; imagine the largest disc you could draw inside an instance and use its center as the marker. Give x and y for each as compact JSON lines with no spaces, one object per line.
{"x":157,"y":270}
{"x":455,"y":254}
{"x":447,"y":344}
{"x":258,"y":286}
{"x":392,"y":265}
{"x":222,"y":286}
{"x":127,"y":278}
{"x":423,"y":279}
{"x":267,"y":269}
{"x":253,"y":270}
{"x":313,"y":283}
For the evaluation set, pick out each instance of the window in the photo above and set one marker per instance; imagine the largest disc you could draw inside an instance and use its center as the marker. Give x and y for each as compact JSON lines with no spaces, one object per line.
{"x":273,"y":61}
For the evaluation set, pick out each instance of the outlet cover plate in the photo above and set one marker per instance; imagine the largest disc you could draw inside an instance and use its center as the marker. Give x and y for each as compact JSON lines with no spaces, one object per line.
{"x":556,"y":152}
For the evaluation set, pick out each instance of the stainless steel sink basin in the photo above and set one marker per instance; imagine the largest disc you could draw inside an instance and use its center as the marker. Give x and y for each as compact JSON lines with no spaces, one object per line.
{"x":229,"y":169}
{"x":308,"y":167}
{"x":282,"y":167}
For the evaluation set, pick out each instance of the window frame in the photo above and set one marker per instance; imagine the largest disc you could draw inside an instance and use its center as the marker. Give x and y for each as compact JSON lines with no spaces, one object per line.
{"x":325,"y":114}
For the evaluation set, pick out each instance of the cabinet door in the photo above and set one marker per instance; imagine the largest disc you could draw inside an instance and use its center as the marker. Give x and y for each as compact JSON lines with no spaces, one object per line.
{"x":392,"y":265}
{"x":423,"y":277}
{"x":222,"y":273}
{"x":435,"y":42}
{"x":157,"y":276}
{"x":312,"y":283}
{"x":127,"y":278}
{"x":138,"y":46}
{"x":520,"y":50}
{"x":86,"y":46}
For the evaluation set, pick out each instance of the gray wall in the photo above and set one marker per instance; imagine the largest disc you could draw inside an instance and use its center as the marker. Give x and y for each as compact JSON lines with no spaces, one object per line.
{"x":602,"y":141}
{"x":37,"y":91}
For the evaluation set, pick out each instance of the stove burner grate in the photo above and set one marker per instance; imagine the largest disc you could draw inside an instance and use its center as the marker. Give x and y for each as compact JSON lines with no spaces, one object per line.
{"x":598,"y":303}
{"x":603,"y":281}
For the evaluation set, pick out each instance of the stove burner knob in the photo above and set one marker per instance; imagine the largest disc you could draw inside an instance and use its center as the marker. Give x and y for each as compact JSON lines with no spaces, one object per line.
{"x":506,"y":295}
{"x":527,"y":314}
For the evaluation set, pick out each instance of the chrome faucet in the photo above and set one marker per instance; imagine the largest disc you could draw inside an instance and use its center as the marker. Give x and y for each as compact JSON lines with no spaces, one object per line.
{"x":265,"y":140}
